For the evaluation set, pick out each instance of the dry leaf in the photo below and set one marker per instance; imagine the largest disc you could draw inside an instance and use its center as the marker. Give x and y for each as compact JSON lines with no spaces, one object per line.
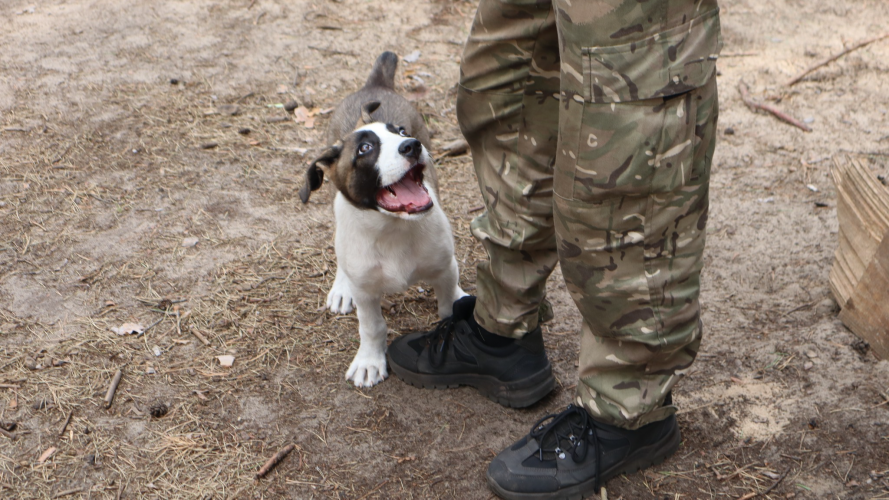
{"x":305,"y":116}
{"x":129,"y":329}
{"x":226,"y":360}
{"x":13,"y":403}
{"x":189,"y":242}
{"x":46,"y":454}
{"x":300,"y":114}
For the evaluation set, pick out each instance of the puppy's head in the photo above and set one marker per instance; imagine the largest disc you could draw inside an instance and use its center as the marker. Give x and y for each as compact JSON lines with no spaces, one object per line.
{"x":376,"y":167}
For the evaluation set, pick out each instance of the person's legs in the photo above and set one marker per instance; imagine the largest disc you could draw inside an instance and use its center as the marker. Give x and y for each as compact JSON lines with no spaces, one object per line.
{"x":636,"y":139}
{"x":631,"y":184}
{"x":508,"y":107}
{"x":636,"y":280}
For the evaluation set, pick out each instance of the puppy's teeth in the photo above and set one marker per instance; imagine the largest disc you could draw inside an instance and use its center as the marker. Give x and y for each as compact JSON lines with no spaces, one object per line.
{"x":392,"y":191}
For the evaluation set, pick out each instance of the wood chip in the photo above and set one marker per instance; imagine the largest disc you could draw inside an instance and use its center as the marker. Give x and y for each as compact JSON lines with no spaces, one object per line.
{"x":46,"y":454}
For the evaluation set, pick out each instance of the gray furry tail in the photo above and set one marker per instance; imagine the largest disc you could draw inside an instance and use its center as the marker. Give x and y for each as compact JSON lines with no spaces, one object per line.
{"x":383,"y":72}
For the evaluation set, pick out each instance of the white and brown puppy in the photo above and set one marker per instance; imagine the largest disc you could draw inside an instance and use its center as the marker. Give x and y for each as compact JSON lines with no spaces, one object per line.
{"x":390,"y":229}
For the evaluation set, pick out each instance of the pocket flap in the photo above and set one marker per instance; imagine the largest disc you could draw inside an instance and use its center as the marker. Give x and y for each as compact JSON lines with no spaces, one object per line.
{"x":667,"y":63}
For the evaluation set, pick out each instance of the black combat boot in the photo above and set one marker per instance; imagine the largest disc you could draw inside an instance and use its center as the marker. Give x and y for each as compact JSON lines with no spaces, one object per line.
{"x":569,"y":456}
{"x":512,"y":372}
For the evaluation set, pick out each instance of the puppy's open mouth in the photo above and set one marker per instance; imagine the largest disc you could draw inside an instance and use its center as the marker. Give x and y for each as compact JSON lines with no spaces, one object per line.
{"x":407,"y":195}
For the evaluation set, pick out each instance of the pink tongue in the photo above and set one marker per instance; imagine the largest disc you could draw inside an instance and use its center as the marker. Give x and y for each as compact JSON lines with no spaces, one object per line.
{"x":409,"y":196}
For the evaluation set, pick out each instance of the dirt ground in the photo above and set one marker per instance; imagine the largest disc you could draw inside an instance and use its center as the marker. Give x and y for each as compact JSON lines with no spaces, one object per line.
{"x":131,"y":130}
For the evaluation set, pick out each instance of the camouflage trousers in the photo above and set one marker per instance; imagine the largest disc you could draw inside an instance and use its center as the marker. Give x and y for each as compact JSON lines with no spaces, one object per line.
{"x":592,"y":128}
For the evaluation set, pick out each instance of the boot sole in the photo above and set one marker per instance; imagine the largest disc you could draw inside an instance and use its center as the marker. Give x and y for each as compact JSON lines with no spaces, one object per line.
{"x":646,"y":457}
{"x":515,"y":394}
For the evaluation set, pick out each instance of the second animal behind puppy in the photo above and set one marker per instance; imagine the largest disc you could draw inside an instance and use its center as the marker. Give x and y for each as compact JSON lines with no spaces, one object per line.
{"x":390,"y":229}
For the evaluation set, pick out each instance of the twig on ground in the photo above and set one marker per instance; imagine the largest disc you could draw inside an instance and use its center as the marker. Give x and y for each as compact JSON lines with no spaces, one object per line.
{"x":150,"y":326}
{"x":745,"y":96}
{"x":109,"y":396}
{"x":68,"y":492}
{"x":362,"y":497}
{"x":720,"y":477}
{"x":800,"y":308}
{"x":776,"y":483}
{"x":7,"y":433}
{"x":454,"y":148}
{"x":476,"y":209}
{"x":194,"y":331}
{"x":65,"y":425}
{"x":272,"y":462}
{"x":833,"y":58}
{"x":332,"y":51}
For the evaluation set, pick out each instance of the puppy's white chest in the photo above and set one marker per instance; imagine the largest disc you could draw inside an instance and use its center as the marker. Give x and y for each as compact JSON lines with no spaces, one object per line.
{"x":381,"y":254}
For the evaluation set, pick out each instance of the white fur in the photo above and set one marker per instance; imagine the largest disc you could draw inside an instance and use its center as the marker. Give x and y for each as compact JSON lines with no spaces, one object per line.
{"x":381,"y":252}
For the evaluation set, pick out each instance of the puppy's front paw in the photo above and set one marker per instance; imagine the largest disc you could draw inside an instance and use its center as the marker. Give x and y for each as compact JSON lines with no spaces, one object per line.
{"x":367,"y":369}
{"x":339,"y":299}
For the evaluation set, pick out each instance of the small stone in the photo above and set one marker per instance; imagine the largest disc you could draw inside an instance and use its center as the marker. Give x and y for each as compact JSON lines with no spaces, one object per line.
{"x":156,"y":350}
{"x":244,"y":131}
{"x":90,"y":459}
{"x":209,"y":145}
{"x":189,"y":242}
{"x":290,"y":106}
{"x":729,"y":131}
{"x":826,"y":306}
{"x":808,"y":365}
{"x":811,"y":354}
{"x":158,"y":409}
{"x":150,"y":371}
{"x":174,"y":81}
{"x":228,"y":109}
{"x":860,"y":346}
{"x":412,"y":57}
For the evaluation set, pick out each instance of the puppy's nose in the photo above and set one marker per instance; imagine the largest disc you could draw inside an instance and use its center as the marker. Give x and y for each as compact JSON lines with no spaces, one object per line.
{"x":410,"y":149}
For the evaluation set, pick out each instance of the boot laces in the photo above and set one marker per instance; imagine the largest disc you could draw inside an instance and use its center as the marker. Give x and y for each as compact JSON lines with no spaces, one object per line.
{"x":440,"y":336}
{"x":573,"y":429}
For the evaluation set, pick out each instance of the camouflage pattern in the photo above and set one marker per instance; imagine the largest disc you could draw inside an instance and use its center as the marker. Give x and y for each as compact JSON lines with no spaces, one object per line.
{"x":592,"y":128}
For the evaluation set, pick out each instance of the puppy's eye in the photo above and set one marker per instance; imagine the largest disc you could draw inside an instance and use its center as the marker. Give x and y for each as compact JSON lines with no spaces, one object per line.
{"x":402,"y":132}
{"x":364,"y":148}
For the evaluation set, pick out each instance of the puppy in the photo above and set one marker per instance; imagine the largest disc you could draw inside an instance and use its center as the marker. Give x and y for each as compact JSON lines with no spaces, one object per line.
{"x":390,"y":229}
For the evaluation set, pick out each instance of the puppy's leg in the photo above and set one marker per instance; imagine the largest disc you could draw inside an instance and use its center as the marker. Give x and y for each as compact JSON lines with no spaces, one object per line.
{"x":369,"y":366}
{"x":339,"y":299}
{"x":447,"y":290}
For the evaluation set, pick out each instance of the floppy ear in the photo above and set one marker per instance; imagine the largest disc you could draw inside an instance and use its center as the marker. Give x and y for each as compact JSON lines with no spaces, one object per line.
{"x":315,"y":172}
{"x":367,"y":109}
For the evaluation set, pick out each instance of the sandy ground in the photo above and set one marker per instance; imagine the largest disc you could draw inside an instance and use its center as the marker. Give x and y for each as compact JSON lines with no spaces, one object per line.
{"x":128,"y":132}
